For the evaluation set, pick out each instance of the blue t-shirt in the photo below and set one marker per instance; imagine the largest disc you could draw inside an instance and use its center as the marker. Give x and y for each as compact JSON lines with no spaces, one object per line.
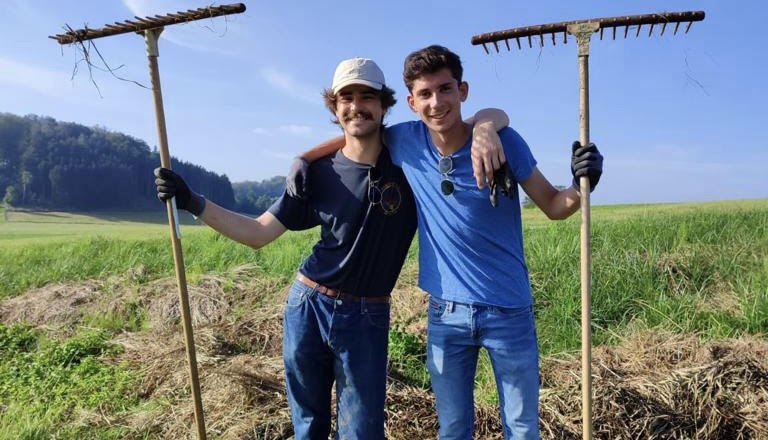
{"x":469,"y":251}
{"x":362,"y":245}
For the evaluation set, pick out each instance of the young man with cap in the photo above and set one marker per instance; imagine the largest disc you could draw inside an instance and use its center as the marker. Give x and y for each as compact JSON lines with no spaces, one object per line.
{"x":471,"y":259}
{"x":336,"y":316}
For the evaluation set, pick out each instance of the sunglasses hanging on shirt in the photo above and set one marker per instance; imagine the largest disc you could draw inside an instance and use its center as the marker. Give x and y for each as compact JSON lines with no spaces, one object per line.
{"x":387,"y":197}
{"x":445,"y":166}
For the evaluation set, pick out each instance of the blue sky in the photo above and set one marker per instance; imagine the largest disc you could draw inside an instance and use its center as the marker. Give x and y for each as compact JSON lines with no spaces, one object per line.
{"x":678,"y":118}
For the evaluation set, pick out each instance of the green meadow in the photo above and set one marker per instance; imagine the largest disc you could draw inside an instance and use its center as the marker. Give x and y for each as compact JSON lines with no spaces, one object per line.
{"x":694,"y":268}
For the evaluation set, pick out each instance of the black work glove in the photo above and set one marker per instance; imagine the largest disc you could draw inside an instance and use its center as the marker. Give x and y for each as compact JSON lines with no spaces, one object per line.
{"x":586,"y":161}
{"x":297,"y":180}
{"x":502,"y":181}
{"x":170,"y":184}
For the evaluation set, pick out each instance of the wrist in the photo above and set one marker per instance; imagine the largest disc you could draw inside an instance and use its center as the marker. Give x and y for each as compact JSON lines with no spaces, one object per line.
{"x":196,"y":204}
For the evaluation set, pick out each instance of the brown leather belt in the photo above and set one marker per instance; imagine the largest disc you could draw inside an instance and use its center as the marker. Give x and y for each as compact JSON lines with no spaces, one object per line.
{"x":337,"y":294}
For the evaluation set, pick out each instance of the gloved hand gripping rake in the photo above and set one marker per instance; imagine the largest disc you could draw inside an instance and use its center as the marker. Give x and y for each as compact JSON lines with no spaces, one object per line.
{"x":150,"y":28}
{"x":583,"y":30}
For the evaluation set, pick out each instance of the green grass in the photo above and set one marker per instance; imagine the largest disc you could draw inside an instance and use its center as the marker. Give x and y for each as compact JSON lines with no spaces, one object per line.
{"x":44,"y":383}
{"x":689,"y":268}
{"x":21,"y":228}
{"x":81,"y":247}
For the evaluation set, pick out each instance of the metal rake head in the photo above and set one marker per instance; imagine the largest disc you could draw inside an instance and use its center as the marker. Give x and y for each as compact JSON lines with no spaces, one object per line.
{"x":146,"y":23}
{"x":552,"y":29}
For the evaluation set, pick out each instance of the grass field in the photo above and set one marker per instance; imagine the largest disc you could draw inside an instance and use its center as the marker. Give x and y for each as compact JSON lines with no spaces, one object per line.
{"x":698,"y":269}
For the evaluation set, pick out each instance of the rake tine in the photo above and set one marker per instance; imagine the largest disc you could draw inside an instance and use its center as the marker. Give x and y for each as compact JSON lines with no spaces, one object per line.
{"x":530,"y":44}
{"x":565,"y":37}
{"x":601,"y":33}
{"x":651,"y":30}
{"x":663,"y":28}
{"x":518,"y":43}
{"x":486,"y":49}
{"x":147,"y":23}
{"x":638,"y":30}
{"x":541,"y":38}
{"x":677,"y":25}
{"x":690,"y":23}
{"x":614,"y":33}
{"x":506,"y":41}
{"x":553,"y":40}
{"x":626,"y":31}
{"x":496,"y":45}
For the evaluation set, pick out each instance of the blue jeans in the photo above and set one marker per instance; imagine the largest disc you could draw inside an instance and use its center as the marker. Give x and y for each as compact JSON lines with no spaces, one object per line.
{"x":326,"y":340}
{"x":455,"y":333}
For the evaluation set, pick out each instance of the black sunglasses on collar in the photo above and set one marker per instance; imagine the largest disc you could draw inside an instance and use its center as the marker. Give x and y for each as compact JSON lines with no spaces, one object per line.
{"x":445,"y":167}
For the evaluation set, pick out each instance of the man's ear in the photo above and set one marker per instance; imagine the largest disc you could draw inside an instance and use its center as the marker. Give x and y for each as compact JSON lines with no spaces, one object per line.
{"x":411,"y":102}
{"x":464,"y":90}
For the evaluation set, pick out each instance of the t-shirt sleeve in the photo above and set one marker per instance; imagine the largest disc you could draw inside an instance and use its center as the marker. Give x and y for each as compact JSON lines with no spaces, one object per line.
{"x":294,"y":214}
{"x":518,"y":154}
{"x":395,"y":138}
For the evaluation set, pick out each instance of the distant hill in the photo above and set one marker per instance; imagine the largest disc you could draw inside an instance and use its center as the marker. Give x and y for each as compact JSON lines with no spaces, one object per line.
{"x":60,"y":165}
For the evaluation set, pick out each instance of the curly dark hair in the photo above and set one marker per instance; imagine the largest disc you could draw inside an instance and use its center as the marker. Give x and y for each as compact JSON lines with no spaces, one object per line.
{"x":386,"y":95}
{"x":430,"y":60}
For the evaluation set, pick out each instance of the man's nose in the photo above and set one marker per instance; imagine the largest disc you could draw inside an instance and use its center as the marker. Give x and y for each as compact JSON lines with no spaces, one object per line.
{"x":435,"y":100}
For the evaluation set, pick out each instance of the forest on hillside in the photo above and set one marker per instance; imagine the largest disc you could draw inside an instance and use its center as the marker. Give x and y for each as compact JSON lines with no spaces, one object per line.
{"x":45,"y":163}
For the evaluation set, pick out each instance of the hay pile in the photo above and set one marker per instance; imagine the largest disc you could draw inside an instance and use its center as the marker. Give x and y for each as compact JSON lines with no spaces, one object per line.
{"x":663,"y":386}
{"x":652,"y":386}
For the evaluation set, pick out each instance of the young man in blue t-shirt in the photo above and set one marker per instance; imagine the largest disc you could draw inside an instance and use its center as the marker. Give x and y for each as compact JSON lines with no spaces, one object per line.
{"x":336,"y":315}
{"x":471,"y":259}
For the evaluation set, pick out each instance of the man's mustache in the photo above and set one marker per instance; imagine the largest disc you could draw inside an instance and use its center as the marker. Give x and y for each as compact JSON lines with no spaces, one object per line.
{"x":354,"y":114}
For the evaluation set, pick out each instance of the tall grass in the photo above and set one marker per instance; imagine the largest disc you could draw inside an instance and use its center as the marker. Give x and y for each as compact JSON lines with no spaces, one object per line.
{"x":701,"y":271}
{"x":145,"y":259}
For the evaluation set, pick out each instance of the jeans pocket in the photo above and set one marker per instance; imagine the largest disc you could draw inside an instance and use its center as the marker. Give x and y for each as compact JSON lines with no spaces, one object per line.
{"x":379,"y":317}
{"x":436,"y":307}
{"x":296,"y":297}
{"x":513,"y":312}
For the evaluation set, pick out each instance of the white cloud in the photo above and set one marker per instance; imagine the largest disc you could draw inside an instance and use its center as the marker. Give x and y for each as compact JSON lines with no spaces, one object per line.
{"x":262,"y":131}
{"x":297,"y":130}
{"x":285,"y":83}
{"x":28,"y":76}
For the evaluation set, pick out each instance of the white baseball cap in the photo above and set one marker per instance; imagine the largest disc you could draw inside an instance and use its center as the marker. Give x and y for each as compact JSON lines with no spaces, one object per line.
{"x":357,"y":71}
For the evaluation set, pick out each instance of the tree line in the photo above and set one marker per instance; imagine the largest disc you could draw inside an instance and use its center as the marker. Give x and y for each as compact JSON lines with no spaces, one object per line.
{"x":45,"y":163}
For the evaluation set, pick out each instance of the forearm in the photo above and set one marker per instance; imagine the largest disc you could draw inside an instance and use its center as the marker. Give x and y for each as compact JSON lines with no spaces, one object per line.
{"x":556,"y":204}
{"x":564,"y":203}
{"x":328,"y":147}
{"x":246,"y":230}
{"x":496,"y":117}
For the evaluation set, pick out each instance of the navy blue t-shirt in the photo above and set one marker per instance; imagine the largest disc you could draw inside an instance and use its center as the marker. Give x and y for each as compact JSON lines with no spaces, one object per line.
{"x":362,"y":245}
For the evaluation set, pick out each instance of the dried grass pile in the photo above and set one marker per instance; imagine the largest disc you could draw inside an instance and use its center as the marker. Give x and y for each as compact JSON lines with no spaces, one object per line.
{"x":663,"y":386}
{"x":652,"y":386}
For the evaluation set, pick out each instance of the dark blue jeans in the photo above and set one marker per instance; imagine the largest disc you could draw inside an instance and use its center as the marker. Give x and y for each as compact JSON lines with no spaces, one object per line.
{"x":326,"y":341}
{"x":455,"y":334}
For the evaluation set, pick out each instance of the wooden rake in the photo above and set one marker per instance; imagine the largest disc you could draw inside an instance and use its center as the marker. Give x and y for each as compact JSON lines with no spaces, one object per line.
{"x":583,"y":30}
{"x":150,"y":28}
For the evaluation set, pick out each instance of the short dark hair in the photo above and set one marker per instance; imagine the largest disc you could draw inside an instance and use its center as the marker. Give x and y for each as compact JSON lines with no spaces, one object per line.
{"x":430,"y":60}
{"x":386,"y":95}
